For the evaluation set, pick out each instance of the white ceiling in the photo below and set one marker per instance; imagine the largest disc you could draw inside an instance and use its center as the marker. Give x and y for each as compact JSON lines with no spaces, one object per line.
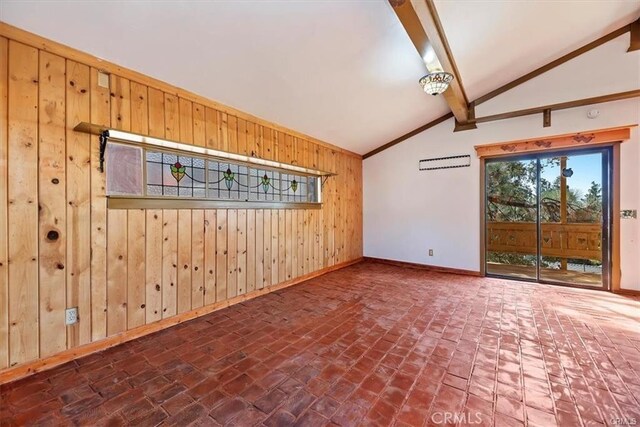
{"x":497,"y":41}
{"x":341,"y":71}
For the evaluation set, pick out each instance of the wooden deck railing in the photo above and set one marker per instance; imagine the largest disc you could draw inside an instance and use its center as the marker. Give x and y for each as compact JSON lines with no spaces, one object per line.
{"x":581,"y":241}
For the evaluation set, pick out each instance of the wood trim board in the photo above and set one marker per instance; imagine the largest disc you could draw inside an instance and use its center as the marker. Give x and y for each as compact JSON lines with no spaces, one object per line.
{"x":547,"y":109}
{"x":546,"y":143}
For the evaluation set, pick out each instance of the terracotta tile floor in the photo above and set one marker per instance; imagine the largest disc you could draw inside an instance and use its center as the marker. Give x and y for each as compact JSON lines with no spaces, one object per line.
{"x":368,"y":345}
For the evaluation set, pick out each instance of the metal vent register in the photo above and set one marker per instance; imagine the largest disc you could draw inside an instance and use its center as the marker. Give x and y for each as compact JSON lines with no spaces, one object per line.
{"x":450,"y":162}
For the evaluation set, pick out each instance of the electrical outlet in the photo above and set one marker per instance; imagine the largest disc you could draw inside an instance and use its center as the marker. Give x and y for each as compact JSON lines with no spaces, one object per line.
{"x":430,"y":252}
{"x":71,"y":316}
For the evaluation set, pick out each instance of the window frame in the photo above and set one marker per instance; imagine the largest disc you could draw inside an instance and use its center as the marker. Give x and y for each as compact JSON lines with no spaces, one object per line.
{"x":146,"y":201}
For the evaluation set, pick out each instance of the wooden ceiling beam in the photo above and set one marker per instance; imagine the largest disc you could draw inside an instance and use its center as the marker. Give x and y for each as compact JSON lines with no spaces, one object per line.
{"x":634,"y":43}
{"x":561,"y":106}
{"x":422,"y":24}
{"x":535,"y":73}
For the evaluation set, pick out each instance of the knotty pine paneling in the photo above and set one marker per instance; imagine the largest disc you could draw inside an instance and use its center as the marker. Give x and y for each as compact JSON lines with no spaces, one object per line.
{"x":61,"y":247}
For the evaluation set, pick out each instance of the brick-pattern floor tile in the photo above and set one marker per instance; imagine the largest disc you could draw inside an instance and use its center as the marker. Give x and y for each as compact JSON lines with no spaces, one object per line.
{"x":367,"y":345}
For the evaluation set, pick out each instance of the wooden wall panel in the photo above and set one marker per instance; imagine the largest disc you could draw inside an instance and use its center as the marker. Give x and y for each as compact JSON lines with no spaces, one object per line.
{"x":116,"y":271}
{"x":232,"y":134}
{"x":210,"y":226}
{"x":23,"y":204}
{"x":275,"y":246}
{"x":211,"y":128}
{"x":100,"y":107}
{"x":156,"y":113}
{"x":184,"y":260}
{"x":242,"y":136}
{"x":255,"y":256}
{"x":78,"y":188}
{"x":232,"y":253}
{"x":266,"y":252}
{"x":251,"y":264}
{"x":241,"y":236}
{"x":197,"y":258}
{"x":4,"y":268}
{"x":287,"y":234}
{"x":51,"y":204}
{"x":221,"y":255}
{"x":169,"y":262}
{"x":136,"y":272}
{"x":124,"y":269}
{"x":282,"y":245}
{"x":153,"y":266}
{"x":199,"y":125}
{"x":139,"y":109}
{"x":300,"y":232}
{"x":223,"y":135}
{"x":267,"y":143}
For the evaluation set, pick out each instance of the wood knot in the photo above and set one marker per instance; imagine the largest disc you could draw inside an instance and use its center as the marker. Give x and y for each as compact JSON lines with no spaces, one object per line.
{"x":55,"y":181}
{"x":53,"y":235}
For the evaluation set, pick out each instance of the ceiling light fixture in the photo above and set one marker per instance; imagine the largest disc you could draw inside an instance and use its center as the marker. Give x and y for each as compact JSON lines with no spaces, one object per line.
{"x":437,"y":82}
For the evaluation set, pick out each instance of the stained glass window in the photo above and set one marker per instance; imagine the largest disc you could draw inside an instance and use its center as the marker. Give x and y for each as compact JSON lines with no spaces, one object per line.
{"x":170,"y":175}
{"x":175,"y":176}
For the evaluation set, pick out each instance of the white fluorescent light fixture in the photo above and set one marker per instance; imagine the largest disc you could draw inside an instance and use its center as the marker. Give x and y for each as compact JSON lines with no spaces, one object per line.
{"x":151,"y":142}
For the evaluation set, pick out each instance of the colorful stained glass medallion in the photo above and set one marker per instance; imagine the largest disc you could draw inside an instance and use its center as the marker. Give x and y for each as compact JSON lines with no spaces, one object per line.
{"x":178,"y":171}
{"x":294,"y":185}
{"x":265,"y":181}
{"x":229,"y":178}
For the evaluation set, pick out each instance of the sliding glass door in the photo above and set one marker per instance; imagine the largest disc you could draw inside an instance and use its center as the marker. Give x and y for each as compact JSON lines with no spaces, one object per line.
{"x":511,"y":212}
{"x":547,"y":218}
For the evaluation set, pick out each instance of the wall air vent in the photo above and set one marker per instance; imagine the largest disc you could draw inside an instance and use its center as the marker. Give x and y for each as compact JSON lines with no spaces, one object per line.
{"x":449,"y":162}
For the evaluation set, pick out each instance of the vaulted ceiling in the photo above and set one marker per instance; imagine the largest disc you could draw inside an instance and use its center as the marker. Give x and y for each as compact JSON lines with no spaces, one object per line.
{"x":341,"y":71}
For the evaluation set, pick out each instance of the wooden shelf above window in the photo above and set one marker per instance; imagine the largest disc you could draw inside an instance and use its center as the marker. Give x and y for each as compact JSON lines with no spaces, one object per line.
{"x":193,"y":150}
{"x":557,"y":142}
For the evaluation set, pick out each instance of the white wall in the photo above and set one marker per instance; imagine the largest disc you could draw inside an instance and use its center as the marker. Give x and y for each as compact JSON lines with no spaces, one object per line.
{"x":407,"y":212}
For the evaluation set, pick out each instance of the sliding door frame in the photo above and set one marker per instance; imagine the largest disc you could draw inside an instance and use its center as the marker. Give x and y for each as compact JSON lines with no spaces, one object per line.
{"x":612,"y":219}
